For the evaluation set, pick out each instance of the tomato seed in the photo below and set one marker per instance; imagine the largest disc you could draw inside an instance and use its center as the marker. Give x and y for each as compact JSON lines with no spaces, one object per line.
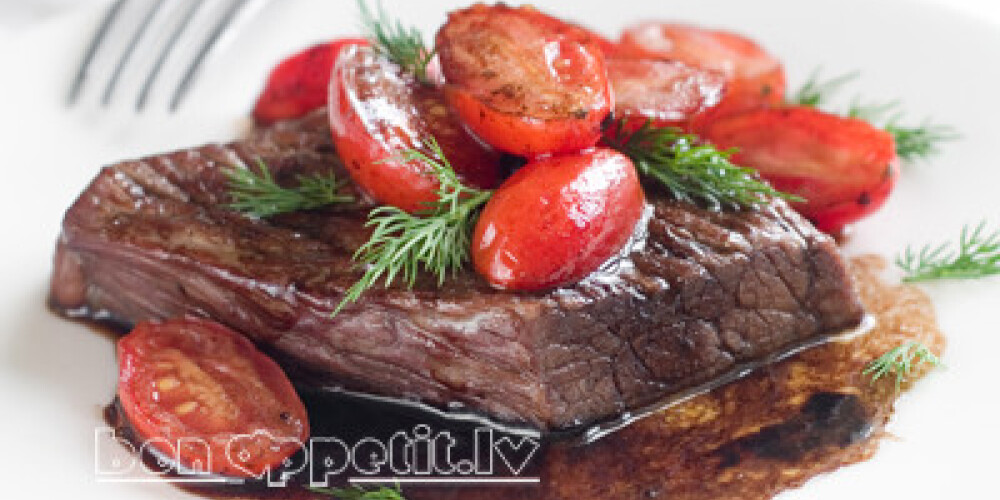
{"x":185,"y":408}
{"x":167,"y":383}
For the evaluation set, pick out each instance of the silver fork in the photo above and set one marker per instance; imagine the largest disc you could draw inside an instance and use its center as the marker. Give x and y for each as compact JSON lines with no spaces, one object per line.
{"x":172,"y":19}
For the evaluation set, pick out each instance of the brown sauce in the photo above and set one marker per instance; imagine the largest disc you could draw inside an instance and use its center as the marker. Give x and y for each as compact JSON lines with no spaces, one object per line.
{"x":749,"y":440}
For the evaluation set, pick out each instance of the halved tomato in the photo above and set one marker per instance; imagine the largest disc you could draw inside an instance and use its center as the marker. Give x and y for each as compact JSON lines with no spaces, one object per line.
{"x":755,"y":79}
{"x":845,"y":168}
{"x":524,"y":82}
{"x":299,"y":84}
{"x":607,"y":46}
{"x":666,"y":93}
{"x":378,"y":110}
{"x":202,"y":393}
{"x":557,"y":219}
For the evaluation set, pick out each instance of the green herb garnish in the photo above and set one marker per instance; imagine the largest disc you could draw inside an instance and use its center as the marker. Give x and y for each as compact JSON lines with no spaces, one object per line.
{"x":919,"y":142}
{"x":435,"y":240}
{"x":400,"y":44}
{"x":978,"y":256}
{"x":257,"y":193}
{"x":690,"y":170}
{"x":871,"y":112}
{"x":899,"y":362}
{"x":913,"y":142}
{"x":815,"y":92}
{"x":359,"y":493}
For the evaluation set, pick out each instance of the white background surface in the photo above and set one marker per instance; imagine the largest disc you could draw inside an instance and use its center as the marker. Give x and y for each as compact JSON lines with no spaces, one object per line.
{"x":940,"y":61}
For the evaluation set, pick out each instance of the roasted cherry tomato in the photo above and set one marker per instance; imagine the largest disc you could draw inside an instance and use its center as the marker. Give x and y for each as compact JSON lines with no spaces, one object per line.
{"x":845,"y":168}
{"x":666,"y":93}
{"x":299,"y":84}
{"x":755,"y":79}
{"x":557,"y":219}
{"x":523,"y":81}
{"x":200,"y":384}
{"x":377,"y":111}
{"x":607,"y":46}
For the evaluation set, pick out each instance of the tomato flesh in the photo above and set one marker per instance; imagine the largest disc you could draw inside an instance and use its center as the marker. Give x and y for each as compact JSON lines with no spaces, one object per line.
{"x":844,"y":168}
{"x":298,"y":84}
{"x":557,"y":219}
{"x":377,"y":111}
{"x":754,"y":78}
{"x":524,"y":82}
{"x":188,"y":380}
{"x":608,"y":47}
{"x":665,"y":93}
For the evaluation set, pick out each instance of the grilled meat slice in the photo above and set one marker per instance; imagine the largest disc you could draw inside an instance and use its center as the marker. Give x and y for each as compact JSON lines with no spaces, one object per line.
{"x":698,"y":293}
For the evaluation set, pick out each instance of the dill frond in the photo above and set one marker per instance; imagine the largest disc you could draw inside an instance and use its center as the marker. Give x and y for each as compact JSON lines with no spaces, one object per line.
{"x":900,"y":361}
{"x":691,"y":171}
{"x":978,"y":256}
{"x":359,"y":493}
{"x":401,"y":44}
{"x":913,"y":142}
{"x":435,"y":240}
{"x":259,"y":195}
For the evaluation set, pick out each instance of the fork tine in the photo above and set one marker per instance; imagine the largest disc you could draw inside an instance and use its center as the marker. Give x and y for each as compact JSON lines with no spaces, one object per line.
{"x":214,"y":36}
{"x":161,"y":59}
{"x":95,"y":44}
{"x":129,"y":50}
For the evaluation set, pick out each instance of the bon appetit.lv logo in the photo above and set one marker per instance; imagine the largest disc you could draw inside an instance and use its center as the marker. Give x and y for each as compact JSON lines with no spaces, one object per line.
{"x":484,"y":455}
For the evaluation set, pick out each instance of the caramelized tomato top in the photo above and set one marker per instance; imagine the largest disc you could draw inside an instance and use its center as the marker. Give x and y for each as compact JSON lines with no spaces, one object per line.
{"x":806,"y":142}
{"x":521,"y":61}
{"x":733,"y":55}
{"x":377,"y":111}
{"x":666,"y":92}
{"x":843,"y":167}
{"x":754,"y":78}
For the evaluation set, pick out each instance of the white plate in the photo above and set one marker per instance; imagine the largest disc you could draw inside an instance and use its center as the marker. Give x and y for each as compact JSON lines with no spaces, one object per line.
{"x":56,"y":375}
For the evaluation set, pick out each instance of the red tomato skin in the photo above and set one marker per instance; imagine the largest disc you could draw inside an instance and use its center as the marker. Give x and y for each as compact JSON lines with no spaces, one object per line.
{"x":522,"y":135}
{"x":270,"y":402}
{"x":836,"y":216}
{"x":755,"y":79}
{"x":845,"y":168}
{"x":742,"y":96}
{"x":377,"y":111}
{"x":608,"y":47}
{"x":524,"y":82}
{"x":298,"y":84}
{"x":557,"y":219}
{"x":664,"y":93}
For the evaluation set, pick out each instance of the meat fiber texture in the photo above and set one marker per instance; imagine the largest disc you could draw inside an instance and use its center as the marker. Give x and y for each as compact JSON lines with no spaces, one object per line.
{"x":696,"y":295}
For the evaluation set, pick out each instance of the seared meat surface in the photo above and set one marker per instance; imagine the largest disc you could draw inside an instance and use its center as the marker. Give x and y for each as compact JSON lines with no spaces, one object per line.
{"x":697,"y":293}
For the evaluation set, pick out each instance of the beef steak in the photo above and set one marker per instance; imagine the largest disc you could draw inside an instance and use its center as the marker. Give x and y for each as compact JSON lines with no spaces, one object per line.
{"x":696,"y":294}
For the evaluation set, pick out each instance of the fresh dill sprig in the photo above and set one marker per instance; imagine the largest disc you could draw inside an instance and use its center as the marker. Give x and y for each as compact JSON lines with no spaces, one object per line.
{"x":815,"y":92}
{"x":690,"y":170}
{"x":900,"y":361}
{"x":257,"y":193}
{"x":919,"y":142}
{"x":872,"y":112}
{"x":359,"y":493}
{"x":913,"y":142}
{"x":978,"y":256}
{"x":435,"y":240}
{"x":401,"y":44}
